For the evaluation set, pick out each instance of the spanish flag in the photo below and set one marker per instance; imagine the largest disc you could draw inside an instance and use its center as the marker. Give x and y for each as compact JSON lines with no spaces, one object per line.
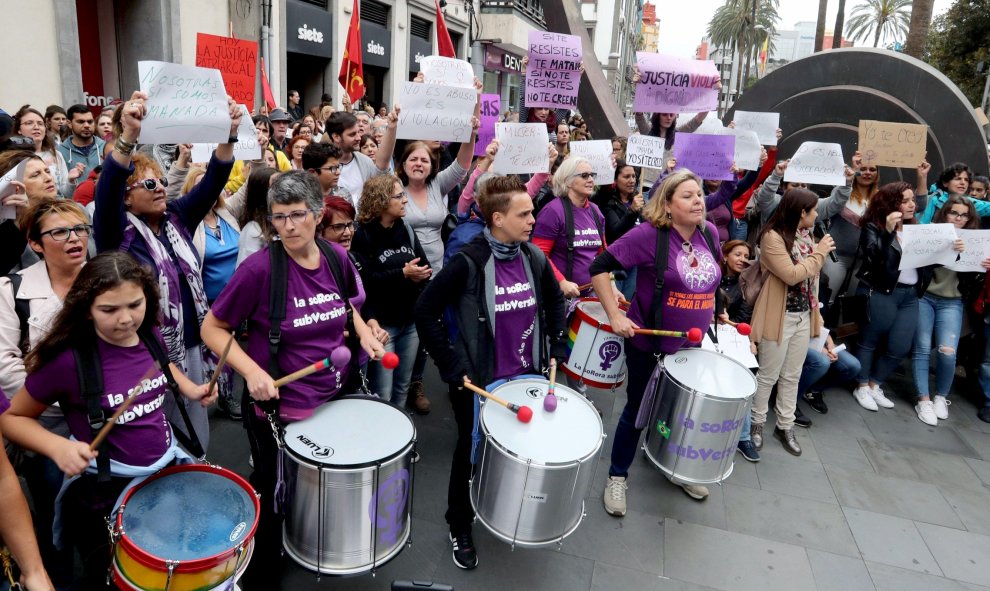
{"x":351,"y":67}
{"x":763,"y":55}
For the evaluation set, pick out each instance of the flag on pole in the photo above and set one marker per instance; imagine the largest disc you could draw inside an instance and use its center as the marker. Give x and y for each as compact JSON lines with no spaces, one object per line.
{"x":763,"y":55}
{"x":351,"y":67}
{"x":444,"y":44}
{"x":266,"y":88}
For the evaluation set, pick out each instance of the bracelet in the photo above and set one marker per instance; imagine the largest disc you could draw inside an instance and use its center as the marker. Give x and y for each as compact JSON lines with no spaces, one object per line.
{"x":124,"y":147}
{"x":232,"y":139}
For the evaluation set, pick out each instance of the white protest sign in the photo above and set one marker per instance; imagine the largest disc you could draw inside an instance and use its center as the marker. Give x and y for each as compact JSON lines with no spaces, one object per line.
{"x":246,"y":148}
{"x":817,"y":163}
{"x":764,"y":124}
{"x":185,"y":104}
{"x":598,"y":153}
{"x":732,"y":345}
{"x":8,"y":188}
{"x":448,"y":71}
{"x":645,"y":150}
{"x":927,"y":244}
{"x":977,"y":249}
{"x":436,"y":112}
{"x":748,"y":148}
{"x":523,"y":148}
{"x":711,"y":125}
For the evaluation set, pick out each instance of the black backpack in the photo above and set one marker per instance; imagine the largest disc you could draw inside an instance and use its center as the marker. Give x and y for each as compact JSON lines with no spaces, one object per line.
{"x":23,"y":309}
{"x":569,"y":230}
{"x":662,"y":256}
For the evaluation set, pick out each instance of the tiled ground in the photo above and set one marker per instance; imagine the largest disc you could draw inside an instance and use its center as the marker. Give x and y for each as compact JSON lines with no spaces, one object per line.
{"x":879,"y":501}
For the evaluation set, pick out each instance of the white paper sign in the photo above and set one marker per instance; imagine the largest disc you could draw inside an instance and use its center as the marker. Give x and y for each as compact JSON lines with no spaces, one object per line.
{"x":185,"y":104}
{"x":764,"y":124}
{"x":598,"y":153}
{"x":977,"y":249}
{"x":7,"y":188}
{"x":523,"y":148}
{"x":711,"y":125}
{"x":817,"y":163}
{"x":748,"y":148}
{"x":818,"y":343}
{"x":436,"y":112}
{"x":645,"y":150}
{"x":246,"y":148}
{"x":449,"y":71}
{"x":732,"y":345}
{"x":927,"y":244}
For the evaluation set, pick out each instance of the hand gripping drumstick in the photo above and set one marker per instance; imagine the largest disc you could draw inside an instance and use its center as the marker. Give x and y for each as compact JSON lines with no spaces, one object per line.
{"x":340,"y":357}
{"x":137,"y":389}
{"x":693,"y":335}
{"x":550,"y":400}
{"x":523,"y":413}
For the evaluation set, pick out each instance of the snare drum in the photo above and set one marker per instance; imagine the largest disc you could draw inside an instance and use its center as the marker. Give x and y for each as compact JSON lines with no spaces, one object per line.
{"x":186,"y":528}
{"x":531,"y":478}
{"x":697,"y":415}
{"x":350,"y":479}
{"x":596,"y":355}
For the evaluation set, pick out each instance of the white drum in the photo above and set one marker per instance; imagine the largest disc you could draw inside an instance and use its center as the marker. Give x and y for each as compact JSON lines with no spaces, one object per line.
{"x":531,"y":478}
{"x":596,"y":355}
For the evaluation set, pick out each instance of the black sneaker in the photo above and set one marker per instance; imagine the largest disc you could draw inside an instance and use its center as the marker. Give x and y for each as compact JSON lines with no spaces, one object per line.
{"x":231,"y":407}
{"x":748,"y":451}
{"x":984,"y":414}
{"x":464,"y":553}
{"x":800,"y":420}
{"x":816,"y":400}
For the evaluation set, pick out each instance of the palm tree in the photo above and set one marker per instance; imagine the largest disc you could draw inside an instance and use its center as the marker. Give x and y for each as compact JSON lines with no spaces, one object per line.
{"x":840,"y":17}
{"x":879,"y":18}
{"x":921,"y":17}
{"x":732,"y":25}
{"x":820,"y":28}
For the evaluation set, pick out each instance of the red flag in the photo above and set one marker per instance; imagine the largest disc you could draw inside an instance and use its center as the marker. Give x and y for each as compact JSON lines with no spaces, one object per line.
{"x":444,"y":44}
{"x":266,"y":89}
{"x":351,"y":67}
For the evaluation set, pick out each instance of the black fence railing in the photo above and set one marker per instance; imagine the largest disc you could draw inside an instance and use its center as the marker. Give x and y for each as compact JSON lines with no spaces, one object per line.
{"x":531,"y":9}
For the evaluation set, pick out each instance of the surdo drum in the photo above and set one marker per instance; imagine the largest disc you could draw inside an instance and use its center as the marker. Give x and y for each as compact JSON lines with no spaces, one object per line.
{"x":694,"y":426}
{"x":349,"y":478}
{"x":596,"y":355}
{"x":531,"y":478}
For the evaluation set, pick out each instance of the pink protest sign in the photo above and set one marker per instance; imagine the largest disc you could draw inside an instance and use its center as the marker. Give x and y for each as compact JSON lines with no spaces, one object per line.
{"x":708,"y":156}
{"x":671,"y":84}
{"x":491,"y":106}
{"x":553,"y":74}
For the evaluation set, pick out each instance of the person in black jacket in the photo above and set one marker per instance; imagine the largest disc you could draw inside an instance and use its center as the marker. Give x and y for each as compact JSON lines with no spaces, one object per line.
{"x":621,"y":205}
{"x":507,"y":306}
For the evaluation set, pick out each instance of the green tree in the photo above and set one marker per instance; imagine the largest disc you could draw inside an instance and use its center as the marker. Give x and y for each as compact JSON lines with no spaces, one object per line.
{"x":879,"y":19}
{"x":958,"y":40}
{"x":921,"y":18}
{"x":733,"y":26}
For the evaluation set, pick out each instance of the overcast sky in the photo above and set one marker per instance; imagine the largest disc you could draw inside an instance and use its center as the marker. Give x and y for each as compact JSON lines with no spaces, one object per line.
{"x":682,"y":30}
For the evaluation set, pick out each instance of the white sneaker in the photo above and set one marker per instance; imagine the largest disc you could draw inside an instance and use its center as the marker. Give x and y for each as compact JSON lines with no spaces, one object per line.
{"x":615,"y":496}
{"x":864,"y":397}
{"x":926,"y":412}
{"x":879,"y":398}
{"x":695,"y":491}
{"x":941,"y":407}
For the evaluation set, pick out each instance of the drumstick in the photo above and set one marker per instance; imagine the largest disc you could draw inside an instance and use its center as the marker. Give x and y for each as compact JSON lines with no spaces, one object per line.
{"x":742,"y":328}
{"x":523,"y":413}
{"x":309,"y":369}
{"x":550,"y":401}
{"x":120,"y":409}
{"x":693,"y":335}
{"x":220,"y":364}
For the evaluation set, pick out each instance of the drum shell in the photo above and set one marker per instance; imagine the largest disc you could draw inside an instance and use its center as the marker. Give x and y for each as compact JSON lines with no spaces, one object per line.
{"x":595,"y":354}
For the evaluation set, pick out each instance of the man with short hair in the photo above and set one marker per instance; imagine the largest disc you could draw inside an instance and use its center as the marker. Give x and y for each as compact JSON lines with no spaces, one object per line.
{"x":344,"y":131}
{"x":364,"y":122}
{"x":295,"y":108}
{"x":82,"y":146}
{"x":323,"y":160}
{"x":280,"y":127}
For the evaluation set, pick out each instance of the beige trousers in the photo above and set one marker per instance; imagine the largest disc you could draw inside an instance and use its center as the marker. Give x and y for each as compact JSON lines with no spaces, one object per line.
{"x":781,"y":363}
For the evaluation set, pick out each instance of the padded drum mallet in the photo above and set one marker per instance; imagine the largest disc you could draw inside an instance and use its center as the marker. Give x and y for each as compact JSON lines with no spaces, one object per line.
{"x":523,"y":413}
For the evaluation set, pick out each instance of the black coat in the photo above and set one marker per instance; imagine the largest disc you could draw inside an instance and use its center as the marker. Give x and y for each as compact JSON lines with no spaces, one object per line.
{"x":881,"y":255}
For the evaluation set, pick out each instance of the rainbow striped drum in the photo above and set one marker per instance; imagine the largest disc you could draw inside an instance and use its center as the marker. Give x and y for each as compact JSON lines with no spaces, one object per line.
{"x":596,"y":355}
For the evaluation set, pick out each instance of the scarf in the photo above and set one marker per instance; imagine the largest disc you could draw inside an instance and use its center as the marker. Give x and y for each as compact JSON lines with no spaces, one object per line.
{"x":502,"y":251}
{"x":804,"y":247}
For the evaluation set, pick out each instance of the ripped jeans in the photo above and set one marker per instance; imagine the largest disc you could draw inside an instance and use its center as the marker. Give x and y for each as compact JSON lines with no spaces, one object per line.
{"x":940,"y":318}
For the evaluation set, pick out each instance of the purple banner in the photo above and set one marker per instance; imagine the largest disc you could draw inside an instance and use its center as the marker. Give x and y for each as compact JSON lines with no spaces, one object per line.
{"x":708,"y":156}
{"x":553,"y":75}
{"x":671,"y":84}
{"x":491,"y":107}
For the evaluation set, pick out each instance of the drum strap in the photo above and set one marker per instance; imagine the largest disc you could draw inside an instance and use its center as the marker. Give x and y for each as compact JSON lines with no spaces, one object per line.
{"x":569,"y":231}
{"x":88,"y":369}
{"x":191,"y":441}
{"x":660,"y":264}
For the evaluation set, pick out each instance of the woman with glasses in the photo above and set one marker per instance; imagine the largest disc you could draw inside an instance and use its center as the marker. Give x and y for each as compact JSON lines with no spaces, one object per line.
{"x":308,"y":333}
{"x":30,"y":122}
{"x":133,"y":215}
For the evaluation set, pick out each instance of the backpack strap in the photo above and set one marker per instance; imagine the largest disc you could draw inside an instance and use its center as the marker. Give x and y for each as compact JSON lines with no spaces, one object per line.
{"x":276,"y":303}
{"x":660,"y":264}
{"x":90,"y":375}
{"x":22,"y":308}
{"x":336,"y":269}
{"x":710,"y":241}
{"x":568,"y":208}
{"x":191,"y":441}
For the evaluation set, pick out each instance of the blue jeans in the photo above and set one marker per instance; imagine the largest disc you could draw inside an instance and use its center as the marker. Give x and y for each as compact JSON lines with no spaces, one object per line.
{"x":942,"y":318}
{"x":747,"y":423}
{"x":392,"y":385}
{"x":819,"y":370}
{"x":625,"y":281}
{"x":892,"y":318}
{"x":738,"y":229}
{"x":639,"y":367}
{"x":985,"y":366}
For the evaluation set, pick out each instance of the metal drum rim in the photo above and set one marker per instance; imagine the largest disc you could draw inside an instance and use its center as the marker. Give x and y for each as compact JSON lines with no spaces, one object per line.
{"x":517,"y":541}
{"x":694,"y":390}
{"x":351,"y":468}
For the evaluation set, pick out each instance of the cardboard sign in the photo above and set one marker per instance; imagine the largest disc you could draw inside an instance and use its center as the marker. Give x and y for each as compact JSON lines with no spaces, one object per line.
{"x":927,"y":244}
{"x":185,"y":104}
{"x":523,"y":148}
{"x":491,"y":108}
{"x":646,"y":151}
{"x":903,"y":145}
{"x":553,"y":74}
{"x":748,"y":148}
{"x":237,"y":60}
{"x":708,"y":156}
{"x":816,"y":163}
{"x":449,"y":71}
{"x":764,"y":124}
{"x":977,"y":249}
{"x":246,"y":148}
{"x":435,"y":112}
{"x":670,"y":84}
{"x":598,"y":153}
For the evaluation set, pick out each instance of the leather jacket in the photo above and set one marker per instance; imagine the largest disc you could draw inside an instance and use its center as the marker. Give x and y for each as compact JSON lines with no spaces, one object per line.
{"x":881,"y":255}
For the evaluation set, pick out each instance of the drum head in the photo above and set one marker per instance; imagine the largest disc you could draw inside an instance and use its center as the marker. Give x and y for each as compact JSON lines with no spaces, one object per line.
{"x":188,"y":515}
{"x":570,"y":433}
{"x":352,"y":432}
{"x":710,"y":373}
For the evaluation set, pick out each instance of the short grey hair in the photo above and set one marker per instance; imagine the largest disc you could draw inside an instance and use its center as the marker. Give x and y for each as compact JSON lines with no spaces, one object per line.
{"x":296,"y":186}
{"x":565,"y":171}
{"x":479,"y":183}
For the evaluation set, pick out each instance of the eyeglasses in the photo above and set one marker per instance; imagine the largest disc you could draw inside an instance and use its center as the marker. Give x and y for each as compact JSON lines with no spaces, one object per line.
{"x":956,"y":214}
{"x":32,"y":123}
{"x":399,"y":196}
{"x":587,"y":175}
{"x":62,"y":234}
{"x":340,"y":228}
{"x":297,"y":217}
{"x":148,"y":184}
{"x":334,"y":169}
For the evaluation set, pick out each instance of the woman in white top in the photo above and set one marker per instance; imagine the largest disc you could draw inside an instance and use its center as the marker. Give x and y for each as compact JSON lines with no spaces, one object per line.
{"x":30,"y":122}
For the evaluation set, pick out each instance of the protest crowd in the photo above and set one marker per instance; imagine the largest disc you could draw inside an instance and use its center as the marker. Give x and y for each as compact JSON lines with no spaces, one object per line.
{"x":150,"y":269}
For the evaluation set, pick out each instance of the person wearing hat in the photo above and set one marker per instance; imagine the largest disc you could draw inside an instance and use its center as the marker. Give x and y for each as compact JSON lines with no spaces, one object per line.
{"x":280,"y":125}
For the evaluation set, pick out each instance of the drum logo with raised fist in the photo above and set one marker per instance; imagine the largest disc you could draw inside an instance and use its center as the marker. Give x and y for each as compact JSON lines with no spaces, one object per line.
{"x":609,"y":352}
{"x":388,"y":505}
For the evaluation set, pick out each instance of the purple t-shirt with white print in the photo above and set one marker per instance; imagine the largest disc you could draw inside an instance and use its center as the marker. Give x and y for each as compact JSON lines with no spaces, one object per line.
{"x":515,"y":319}
{"x":587,"y":239}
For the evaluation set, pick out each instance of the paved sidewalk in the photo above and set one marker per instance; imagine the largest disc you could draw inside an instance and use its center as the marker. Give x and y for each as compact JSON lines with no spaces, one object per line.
{"x":879,"y":501}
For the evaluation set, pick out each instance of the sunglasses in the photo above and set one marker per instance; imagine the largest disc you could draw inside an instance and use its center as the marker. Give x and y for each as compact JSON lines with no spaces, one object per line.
{"x":148,"y":184}
{"x":587,"y":175}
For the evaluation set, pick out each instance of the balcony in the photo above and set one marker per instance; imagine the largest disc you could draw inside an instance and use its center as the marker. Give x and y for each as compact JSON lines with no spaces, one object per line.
{"x":531,"y":9}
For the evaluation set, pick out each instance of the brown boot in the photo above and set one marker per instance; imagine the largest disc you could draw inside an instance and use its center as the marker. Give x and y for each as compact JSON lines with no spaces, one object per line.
{"x":417,"y":399}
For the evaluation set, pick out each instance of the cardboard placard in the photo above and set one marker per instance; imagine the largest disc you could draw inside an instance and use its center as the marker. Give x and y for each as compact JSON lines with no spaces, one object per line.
{"x":748,"y":148}
{"x":764,"y":124}
{"x":646,"y":151}
{"x":817,"y":163}
{"x":185,"y":105}
{"x":246,"y":148}
{"x":977,"y":249}
{"x":491,"y":109}
{"x":449,"y":71}
{"x":436,"y":112}
{"x":553,"y":74}
{"x":670,"y":84}
{"x":598,"y":153}
{"x":902,"y":145}
{"x":523,"y":148}
{"x":927,"y":244}
{"x":237,"y":60}
{"x":708,"y":156}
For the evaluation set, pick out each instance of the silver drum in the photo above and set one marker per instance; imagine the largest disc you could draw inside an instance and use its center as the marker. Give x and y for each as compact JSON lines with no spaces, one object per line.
{"x":531,"y":478}
{"x":350,"y":483}
{"x":697,"y":416}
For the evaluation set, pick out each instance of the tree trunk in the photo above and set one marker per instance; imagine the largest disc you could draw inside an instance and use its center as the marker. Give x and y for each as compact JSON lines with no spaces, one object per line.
{"x":840,"y":19}
{"x":921,"y":17}
{"x":876,"y":36}
{"x":820,"y":29}
{"x":740,"y":48}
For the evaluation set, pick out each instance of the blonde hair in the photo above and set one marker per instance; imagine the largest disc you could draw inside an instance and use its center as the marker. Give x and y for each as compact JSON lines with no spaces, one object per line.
{"x":195,"y":171}
{"x":657,"y":211}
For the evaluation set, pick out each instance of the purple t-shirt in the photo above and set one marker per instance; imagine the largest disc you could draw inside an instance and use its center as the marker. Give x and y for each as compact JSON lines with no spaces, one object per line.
{"x":587,"y":239}
{"x":314,"y":323}
{"x":142,"y":434}
{"x":689,"y":287}
{"x":515,"y":319}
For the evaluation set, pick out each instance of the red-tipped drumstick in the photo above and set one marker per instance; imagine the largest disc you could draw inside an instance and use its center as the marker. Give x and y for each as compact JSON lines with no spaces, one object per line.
{"x":693,"y":335}
{"x":523,"y":413}
{"x":390,"y":360}
{"x":550,"y":401}
{"x":741,"y":327}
